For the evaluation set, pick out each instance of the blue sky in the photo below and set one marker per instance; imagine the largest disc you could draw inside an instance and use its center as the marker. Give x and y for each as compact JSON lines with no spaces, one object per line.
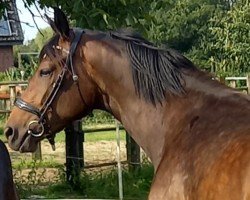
{"x":25,"y":16}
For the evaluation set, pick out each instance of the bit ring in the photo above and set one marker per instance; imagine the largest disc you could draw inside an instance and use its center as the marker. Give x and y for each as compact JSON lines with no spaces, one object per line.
{"x":30,"y":130}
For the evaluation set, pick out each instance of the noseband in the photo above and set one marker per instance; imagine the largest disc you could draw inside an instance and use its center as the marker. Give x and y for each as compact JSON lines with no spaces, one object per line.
{"x":41,"y":112}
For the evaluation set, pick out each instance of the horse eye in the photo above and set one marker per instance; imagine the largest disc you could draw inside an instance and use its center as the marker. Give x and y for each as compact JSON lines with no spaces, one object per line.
{"x":45,"y":72}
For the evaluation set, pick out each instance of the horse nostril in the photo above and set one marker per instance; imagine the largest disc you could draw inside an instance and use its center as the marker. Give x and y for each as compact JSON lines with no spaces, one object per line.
{"x":8,"y":132}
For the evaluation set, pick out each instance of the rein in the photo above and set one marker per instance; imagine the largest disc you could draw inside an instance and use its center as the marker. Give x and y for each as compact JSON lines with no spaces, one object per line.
{"x":41,"y":112}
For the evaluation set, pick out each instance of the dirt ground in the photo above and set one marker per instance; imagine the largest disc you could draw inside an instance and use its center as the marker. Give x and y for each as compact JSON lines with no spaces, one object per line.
{"x":94,"y":153}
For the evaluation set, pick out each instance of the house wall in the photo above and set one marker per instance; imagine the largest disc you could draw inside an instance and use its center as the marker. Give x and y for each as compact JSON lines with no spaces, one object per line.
{"x":6,"y":57}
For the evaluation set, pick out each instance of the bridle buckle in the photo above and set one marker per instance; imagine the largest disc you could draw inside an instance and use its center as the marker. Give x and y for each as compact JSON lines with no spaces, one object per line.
{"x":75,"y":78}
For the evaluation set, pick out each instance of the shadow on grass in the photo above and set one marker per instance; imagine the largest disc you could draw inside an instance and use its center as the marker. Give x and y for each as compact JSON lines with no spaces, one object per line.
{"x":95,"y":184}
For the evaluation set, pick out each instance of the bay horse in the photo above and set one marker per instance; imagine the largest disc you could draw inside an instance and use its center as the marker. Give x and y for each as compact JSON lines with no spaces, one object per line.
{"x":7,"y":186}
{"x":195,"y":130}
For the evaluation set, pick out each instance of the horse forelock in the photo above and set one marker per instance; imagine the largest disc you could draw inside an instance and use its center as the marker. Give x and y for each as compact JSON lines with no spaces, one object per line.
{"x":156,"y":72}
{"x":48,"y":49}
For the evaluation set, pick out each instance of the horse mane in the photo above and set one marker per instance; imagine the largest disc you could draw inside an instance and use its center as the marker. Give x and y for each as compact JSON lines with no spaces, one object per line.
{"x":155,"y":71}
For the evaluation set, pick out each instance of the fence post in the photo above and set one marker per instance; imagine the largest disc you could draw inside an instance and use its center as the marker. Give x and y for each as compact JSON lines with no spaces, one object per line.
{"x":232,"y":83}
{"x":133,"y":153}
{"x":74,"y":152}
{"x":12,"y":95}
{"x":248,"y":83}
{"x":37,"y":155}
{"x":222,"y":79}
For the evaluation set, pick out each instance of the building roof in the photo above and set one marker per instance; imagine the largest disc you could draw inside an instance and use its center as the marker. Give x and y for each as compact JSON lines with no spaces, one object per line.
{"x":10,"y":28}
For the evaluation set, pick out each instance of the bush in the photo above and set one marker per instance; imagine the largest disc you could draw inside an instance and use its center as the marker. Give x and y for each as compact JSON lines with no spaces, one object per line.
{"x":98,"y":117}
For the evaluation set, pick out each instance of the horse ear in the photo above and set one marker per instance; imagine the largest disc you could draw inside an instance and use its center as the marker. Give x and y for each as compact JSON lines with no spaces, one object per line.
{"x":61,"y":23}
{"x":51,"y":23}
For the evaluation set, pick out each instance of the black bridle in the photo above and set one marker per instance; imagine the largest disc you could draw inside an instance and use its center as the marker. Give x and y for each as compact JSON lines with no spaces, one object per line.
{"x":41,"y":112}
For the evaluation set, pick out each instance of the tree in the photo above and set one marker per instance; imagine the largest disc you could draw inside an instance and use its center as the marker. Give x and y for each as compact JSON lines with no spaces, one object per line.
{"x":179,"y":23}
{"x":29,"y":62}
{"x":41,"y":39}
{"x":225,"y":49}
{"x":3,"y":6}
{"x":36,"y":44}
{"x":103,"y":14}
{"x":197,"y":28}
{"x":182,"y":23}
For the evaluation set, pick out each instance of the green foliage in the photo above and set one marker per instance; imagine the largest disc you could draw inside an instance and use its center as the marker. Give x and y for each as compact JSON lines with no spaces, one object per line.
{"x":15,"y":74}
{"x":197,"y":28}
{"x":32,"y":46}
{"x":10,"y":75}
{"x":178,"y":23}
{"x":225,"y":48}
{"x":213,"y":33}
{"x":29,"y":46}
{"x":41,"y":39}
{"x":105,"y":14}
{"x":33,"y":165}
{"x":3,"y":6}
{"x":28,"y":62}
{"x":181,"y":24}
{"x":99,"y":117}
{"x":1,"y":130}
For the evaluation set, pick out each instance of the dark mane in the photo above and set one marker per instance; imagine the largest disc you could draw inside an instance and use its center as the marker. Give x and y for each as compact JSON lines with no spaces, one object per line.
{"x":48,"y":47}
{"x":156,"y":71}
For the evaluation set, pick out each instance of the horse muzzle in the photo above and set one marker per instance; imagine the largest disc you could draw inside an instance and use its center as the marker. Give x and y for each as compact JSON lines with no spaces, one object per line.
{"x":23,"y":142}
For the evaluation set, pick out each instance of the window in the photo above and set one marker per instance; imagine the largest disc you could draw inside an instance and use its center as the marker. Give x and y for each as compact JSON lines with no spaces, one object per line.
{"x":5,"y":26}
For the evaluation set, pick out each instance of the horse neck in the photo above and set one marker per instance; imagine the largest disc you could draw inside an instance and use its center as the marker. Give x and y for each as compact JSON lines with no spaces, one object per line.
{"x":142,"y":120}
{"x":111,"y":73}
{"x":152,"y":126}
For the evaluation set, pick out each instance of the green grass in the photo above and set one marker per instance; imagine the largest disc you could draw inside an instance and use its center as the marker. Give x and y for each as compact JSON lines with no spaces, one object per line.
{"x":3,"y":138}
{"x":89,"y":137}
{"x":28,"y":164}
{"x":95,"y":136}
{"x":96,"y":185}
{"x":107,"y":135}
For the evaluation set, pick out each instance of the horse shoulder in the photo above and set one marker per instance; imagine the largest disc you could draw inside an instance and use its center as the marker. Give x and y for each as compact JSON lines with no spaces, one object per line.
{"x":226,"y":174}
{"x":228,"y":177}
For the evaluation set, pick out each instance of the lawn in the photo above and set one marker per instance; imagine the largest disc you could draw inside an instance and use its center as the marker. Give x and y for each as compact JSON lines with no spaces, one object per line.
{"x":95,"y":136}
{"x":97,"y":183}
{"x":90,"y":137}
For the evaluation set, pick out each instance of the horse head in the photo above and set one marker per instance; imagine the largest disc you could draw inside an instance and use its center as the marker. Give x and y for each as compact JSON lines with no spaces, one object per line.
{"x":54,"y":96}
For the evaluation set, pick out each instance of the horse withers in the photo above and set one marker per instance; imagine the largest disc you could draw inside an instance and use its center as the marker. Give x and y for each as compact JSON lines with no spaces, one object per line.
{"x":7,"y":186}
{"x":195,"y":130}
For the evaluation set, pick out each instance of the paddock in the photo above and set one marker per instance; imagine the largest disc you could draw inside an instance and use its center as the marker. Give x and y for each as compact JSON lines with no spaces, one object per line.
{"x":81,"y":159}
